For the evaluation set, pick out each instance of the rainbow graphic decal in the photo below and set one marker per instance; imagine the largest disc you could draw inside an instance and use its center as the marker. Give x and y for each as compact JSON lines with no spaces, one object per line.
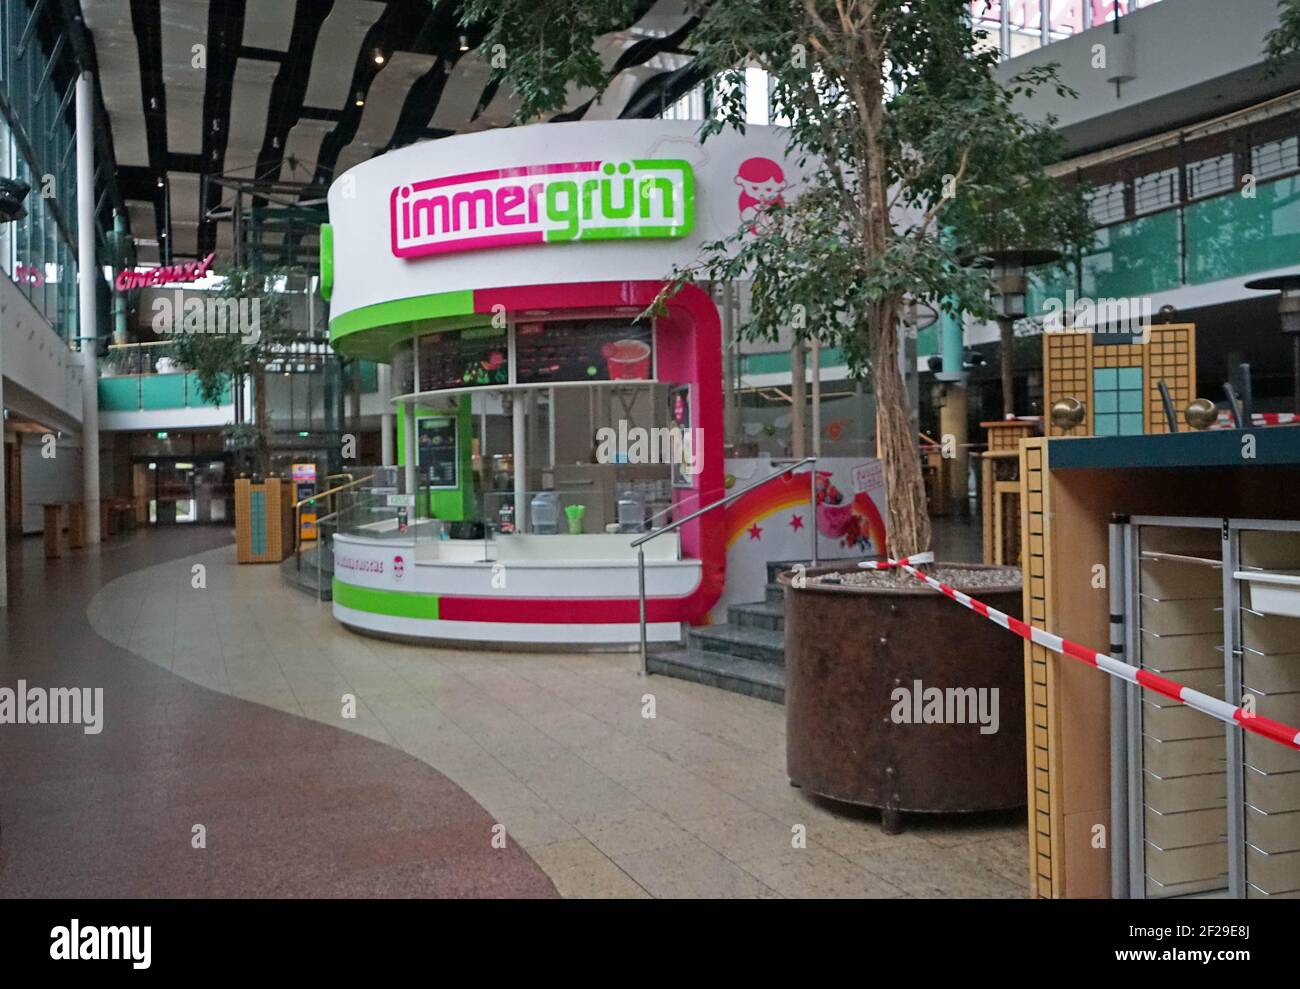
{"x":856,"y":524}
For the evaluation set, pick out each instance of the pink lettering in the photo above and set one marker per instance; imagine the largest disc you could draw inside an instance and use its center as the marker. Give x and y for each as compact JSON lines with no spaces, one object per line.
{"x":509,"y":199}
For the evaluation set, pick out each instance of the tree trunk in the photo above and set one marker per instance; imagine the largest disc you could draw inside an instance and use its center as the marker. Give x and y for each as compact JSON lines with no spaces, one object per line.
{"x":1008,"y":348}
{"x":908,"y":521}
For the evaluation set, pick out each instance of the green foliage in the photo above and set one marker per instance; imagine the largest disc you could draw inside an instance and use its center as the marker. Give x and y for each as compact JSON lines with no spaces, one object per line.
{"x":895,"y":98}
{"x":1282,"y":43}
{"x":214,"y":358}
{"x":916,"y":155}
{"x":549,"y":46}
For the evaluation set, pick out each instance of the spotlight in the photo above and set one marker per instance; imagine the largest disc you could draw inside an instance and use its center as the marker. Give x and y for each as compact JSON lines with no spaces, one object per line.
{"x":464,"y":43}
{"x":12,"y":194}
{"x":379,"y":58}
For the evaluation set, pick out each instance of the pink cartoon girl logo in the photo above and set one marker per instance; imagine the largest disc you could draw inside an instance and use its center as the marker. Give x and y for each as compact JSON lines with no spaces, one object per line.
{"x":399,"y":567}
{"x":762,"y":183}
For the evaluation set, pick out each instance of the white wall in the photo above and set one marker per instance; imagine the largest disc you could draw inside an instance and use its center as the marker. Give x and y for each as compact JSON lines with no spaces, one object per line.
{"x":57,"y":479}
{"x":1195,"y":60}
{"x":42,"y":377}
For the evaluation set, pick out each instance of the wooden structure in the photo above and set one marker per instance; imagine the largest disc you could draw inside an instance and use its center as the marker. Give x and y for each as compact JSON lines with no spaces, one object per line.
{"x":1118,"y":378}
{"x":263,"y":520}
{"x":1071,"y":489}
{"x":1000,"y":489}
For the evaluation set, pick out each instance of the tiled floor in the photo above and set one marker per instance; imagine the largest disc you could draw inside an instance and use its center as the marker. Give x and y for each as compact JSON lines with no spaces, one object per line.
{"x":691,"y":802}
{"x":287,"y":806}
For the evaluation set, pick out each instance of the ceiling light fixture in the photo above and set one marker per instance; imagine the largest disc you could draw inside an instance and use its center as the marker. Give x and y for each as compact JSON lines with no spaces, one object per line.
{"x":464,"y":43}
{"x":361,"y":100}
{"x":379,"y":58}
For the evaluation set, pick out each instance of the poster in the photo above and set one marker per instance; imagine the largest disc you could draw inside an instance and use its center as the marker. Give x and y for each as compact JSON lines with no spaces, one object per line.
{"x":685,"y":456}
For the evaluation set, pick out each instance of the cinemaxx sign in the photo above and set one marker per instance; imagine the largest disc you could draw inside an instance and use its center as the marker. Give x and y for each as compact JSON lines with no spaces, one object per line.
{"x":543,"y":204}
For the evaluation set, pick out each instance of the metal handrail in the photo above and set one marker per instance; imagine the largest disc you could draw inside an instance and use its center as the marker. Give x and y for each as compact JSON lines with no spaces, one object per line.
{"x":297,"y":514}
{"x":640,"y":553}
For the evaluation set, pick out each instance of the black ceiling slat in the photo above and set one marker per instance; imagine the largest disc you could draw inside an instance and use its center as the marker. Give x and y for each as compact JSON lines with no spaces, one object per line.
{"x":146,"y":21}
{"x":225,"y":35}
{"x":399,"y":27}
{"x":663,"y":90}
{"x":289,"y":88}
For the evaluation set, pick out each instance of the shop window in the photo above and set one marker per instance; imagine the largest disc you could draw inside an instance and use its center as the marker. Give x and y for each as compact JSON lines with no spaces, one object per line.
{"x":1275,"y":158}
{"x":1117,"y":401}
{"x":1210,"y":176}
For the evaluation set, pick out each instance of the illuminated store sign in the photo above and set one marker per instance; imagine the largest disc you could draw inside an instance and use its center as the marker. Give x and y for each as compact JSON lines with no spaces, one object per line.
{"x":141,"y":277}
{"x":535,"y":204}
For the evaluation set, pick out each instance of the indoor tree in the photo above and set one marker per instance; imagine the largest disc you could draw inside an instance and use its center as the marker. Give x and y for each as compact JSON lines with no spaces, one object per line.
{"x":218,"y":360}
{"x":915,"y":156}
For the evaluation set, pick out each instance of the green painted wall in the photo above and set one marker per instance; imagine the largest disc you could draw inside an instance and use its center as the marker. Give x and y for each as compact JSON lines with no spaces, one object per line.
{"x":458,"y":505}
{"x":152,"y":392}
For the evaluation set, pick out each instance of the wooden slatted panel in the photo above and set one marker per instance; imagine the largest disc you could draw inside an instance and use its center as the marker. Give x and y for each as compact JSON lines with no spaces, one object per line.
{"x":1067,"y":374}
{"x":1044,"y":827}
{"x":1171,"y":357}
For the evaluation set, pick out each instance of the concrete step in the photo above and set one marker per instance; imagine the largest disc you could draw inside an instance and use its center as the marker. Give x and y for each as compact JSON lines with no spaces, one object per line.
{"x":743,"y":641}
{"x":776,"y":567}
{"x":775,"y":593}
{"x":761,"y":614}
{"x":765,"y":681}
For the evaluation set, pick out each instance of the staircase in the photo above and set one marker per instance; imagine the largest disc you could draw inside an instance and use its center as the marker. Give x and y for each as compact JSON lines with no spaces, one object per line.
{"x":745,"y":656}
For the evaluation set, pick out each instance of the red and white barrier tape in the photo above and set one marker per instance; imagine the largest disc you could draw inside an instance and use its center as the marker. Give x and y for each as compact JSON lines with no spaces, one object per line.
{"x":1272,"y":418}
{"x":1213,"y":706}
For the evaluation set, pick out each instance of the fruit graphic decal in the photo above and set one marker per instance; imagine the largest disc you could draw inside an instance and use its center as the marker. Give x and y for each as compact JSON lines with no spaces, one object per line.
{"x":850,"y":522}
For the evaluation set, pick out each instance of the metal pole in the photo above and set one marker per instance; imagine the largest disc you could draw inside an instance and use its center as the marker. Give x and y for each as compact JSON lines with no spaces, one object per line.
{"x":812,"y":508}
{"x":640,"y":583}
{"x":1119,"y":769}
{"x":88,"y":280}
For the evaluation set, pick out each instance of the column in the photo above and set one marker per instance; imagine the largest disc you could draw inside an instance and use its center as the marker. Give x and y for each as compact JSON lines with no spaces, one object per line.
{"x":519,"y":425}
{"x":798,"y":401}
{"x":88,"y":279}
{"x":386,"y":417}
{"x":410,"y":449}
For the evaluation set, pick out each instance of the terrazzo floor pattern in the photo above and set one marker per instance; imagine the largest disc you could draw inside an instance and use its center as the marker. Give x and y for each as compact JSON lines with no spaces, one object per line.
{"x":693,"y":802}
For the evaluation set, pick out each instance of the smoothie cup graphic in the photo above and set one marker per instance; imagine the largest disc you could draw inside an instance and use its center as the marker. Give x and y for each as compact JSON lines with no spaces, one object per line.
{"x":628,"y":360}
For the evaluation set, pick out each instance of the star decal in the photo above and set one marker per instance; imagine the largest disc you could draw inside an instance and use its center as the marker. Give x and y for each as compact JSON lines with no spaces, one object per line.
{"x":796,"y":522}
{"x":755,"y":532}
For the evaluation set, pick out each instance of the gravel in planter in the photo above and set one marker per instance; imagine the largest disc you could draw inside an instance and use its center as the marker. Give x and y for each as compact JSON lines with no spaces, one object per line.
{"x":963,"y":578}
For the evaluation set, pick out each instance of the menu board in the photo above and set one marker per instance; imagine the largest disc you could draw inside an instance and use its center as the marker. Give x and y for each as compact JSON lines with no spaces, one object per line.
{"x":437,"y":458}
{"x":583,"y":350}
{"x":468,"y":358}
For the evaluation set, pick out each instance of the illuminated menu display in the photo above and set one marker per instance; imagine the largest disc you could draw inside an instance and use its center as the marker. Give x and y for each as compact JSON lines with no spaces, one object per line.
{"x":437,"y":456}
{"x":583,"y":350}
{"x":468,"y":358}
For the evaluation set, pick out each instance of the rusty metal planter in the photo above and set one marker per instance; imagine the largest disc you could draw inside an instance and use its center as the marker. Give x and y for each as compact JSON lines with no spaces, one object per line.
{"x":848,"y":648}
